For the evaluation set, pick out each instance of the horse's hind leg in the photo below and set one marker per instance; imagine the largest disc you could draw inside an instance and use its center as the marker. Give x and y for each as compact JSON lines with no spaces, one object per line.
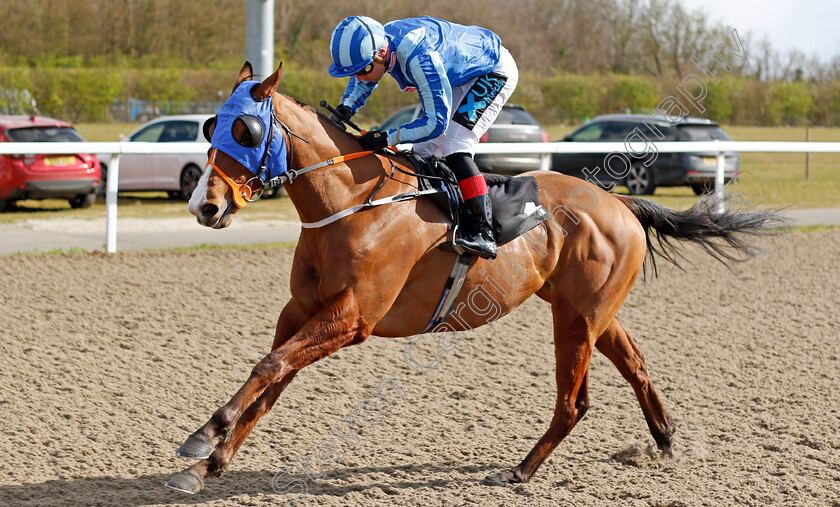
{"x":572,"y":350}
{"x":618,"y":346}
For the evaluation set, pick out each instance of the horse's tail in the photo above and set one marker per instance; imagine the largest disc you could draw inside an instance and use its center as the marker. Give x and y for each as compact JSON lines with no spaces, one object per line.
{"x":728,"y":236}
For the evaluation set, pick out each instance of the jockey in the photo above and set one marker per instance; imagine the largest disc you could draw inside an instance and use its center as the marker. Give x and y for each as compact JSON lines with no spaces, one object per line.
{"x":463,"y":76}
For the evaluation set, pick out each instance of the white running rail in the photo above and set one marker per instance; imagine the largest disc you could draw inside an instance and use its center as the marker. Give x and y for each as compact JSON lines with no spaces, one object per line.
{"x":638,"y":149}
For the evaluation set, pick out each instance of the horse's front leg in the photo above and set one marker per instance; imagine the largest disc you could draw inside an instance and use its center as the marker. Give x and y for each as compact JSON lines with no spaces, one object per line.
{"x":339,"y":324}
{"x":191,"y":480}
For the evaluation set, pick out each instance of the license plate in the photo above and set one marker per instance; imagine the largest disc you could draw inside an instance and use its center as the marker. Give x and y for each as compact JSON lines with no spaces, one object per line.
{"x":65,"y":160}
{"x":710,"y":160}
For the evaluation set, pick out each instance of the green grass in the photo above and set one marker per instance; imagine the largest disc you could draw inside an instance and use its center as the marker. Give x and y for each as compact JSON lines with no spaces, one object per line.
{"x":768,"y":179}
{"x":816,"y":228}
{"x":54,"y":251}
{"x":778,"y":179}
{"x":105,"y":132}
{"x":205,"y":246}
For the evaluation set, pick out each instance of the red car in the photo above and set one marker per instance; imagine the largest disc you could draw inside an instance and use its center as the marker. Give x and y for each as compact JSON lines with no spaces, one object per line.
{"x":76,"y":177}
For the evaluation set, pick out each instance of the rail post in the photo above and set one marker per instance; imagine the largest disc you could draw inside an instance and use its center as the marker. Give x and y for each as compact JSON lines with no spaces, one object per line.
{"x":807,"y":155}
{"x":545,"y":162}
{"x":111,"y":203}
{"x":721,"y":164}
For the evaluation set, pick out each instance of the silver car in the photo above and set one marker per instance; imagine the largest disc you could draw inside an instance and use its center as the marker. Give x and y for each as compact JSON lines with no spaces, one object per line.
{"x":174,"y":173}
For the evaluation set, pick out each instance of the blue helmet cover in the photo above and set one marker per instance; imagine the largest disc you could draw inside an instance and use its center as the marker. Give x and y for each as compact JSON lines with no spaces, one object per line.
{"x":240,"y":103}
{"x":353,"y":44}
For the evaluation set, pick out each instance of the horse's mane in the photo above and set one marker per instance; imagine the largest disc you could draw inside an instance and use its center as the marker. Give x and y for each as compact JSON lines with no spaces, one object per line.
{"x":336,"y":130}
{"x":318,"y":114}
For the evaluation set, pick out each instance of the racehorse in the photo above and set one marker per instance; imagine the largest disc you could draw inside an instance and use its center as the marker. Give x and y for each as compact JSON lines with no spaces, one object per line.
{"x":380,"y":271}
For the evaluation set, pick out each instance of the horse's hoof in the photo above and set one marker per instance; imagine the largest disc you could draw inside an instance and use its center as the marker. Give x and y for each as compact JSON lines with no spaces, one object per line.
{"x":503,"y":478}
{"x":194,"y":448}
{"x":186,"y":483}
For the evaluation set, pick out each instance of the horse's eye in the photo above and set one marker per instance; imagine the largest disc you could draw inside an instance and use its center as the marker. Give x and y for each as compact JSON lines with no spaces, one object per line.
{"x":248,"y":131}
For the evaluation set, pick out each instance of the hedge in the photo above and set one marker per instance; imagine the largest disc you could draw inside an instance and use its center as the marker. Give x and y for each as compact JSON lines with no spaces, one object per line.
{"x":87,"y":94}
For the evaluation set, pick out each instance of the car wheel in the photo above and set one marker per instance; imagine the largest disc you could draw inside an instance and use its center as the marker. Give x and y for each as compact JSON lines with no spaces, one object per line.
{"x":82,"y":201}
{"x":103,"y":187}
{"x":4,"y":203}
{"x":640,"y":180}
{"x":703,"y":188}
{"x":189,"y":179}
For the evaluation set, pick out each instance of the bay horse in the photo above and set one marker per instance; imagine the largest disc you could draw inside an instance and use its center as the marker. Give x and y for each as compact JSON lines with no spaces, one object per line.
{"x":381,"y":271}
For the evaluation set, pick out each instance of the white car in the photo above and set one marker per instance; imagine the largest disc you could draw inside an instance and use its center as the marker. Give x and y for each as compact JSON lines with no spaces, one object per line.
{"x":175,"y":173}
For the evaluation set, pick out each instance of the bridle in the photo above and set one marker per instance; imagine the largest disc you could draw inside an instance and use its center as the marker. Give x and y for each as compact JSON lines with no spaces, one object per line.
{"x":243,"y":194}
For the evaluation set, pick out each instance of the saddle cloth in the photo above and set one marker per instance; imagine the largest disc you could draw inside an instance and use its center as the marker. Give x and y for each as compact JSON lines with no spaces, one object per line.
{"x":515,"y":201}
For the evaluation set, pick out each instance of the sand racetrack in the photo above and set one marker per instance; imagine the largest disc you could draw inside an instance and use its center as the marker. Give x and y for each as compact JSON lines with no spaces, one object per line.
{"x":111,"y":361}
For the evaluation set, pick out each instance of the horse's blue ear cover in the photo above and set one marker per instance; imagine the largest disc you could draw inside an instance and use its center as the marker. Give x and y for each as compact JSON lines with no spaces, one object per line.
{"x":241,"y":102}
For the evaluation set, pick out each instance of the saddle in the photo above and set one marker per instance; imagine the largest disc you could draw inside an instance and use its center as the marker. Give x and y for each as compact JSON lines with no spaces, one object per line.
{"x":515,"y":201}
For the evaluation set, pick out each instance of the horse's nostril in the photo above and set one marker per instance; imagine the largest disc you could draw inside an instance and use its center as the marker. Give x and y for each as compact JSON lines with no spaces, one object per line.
{"x":209,"y":210}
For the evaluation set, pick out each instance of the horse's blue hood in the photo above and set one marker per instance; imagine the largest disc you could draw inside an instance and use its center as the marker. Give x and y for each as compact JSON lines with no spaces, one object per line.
{"x":241,"y":103}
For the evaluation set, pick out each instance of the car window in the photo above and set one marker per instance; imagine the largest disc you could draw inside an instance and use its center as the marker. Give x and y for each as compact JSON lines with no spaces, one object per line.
{"x":515,"y":116}
{"x":703,"y":133}
{"x":589,"y":133}
{"x":43,"y":135}
{"x":617,"y":130}
{"x":399,"y":118}
{"x":150,"y":134}
{"x":178,"y":131}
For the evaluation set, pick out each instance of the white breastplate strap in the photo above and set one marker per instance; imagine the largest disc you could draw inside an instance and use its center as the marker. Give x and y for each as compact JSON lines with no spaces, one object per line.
{"x":371,"y":204}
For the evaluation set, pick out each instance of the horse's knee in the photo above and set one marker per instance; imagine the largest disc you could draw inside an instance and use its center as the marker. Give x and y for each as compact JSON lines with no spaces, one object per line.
{"x":272,"y":368}
{"x":566,"y":415}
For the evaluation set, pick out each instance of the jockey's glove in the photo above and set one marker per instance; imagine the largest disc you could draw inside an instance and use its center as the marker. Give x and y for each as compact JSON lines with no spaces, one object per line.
{"x":342,"y":114}
{"x":374,"y":140}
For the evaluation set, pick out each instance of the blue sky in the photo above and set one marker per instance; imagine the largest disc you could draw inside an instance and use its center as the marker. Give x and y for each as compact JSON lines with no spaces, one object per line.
{"x":812,"y":26}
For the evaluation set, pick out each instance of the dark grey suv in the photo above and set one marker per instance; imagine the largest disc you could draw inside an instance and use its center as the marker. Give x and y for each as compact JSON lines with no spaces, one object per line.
{"x":696,"y":170}
{"x":513,"y":125}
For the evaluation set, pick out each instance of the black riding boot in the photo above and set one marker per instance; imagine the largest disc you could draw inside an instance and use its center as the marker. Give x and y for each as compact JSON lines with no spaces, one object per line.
{"x":476,"y":235}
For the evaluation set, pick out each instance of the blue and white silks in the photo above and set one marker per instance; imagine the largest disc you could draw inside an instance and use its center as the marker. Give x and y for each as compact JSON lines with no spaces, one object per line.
{"x":432,"y":57}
